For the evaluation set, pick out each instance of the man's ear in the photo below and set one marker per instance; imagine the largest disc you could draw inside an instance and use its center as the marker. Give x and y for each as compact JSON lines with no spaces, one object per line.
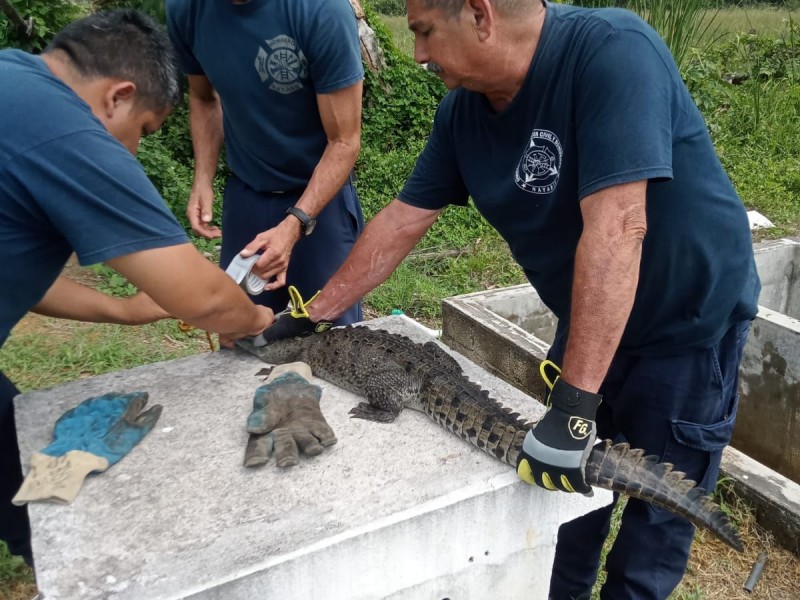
{"x":483,"y":17}
{"x":117,"y":95}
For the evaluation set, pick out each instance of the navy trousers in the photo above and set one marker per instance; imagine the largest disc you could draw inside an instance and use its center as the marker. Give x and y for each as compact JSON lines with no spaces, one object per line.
{"x":246,"y":213}
{"x":15,"y":529}
{"x":680,"y":408}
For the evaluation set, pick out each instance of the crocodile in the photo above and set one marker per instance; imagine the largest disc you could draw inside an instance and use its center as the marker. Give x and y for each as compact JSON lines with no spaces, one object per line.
{"x":392,"y":372}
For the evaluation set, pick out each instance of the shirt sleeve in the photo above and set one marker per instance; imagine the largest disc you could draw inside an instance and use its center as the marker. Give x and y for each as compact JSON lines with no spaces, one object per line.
{"x":625,"y":105}
{"x":97,"y":195}
{"x":334,"y":48}
{"x":436,"y":179}
{"x":180,"y":34}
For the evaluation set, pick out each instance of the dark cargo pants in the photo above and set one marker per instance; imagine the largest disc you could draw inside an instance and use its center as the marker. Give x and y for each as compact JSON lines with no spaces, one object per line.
{"x":15,"y":529}
{"x":680,"y":408}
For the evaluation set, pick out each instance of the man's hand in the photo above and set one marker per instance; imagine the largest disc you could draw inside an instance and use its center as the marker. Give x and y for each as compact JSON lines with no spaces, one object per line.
{"x":287,"y":419}
{"x":267,"y":318}
{"x":292,"y":322}
{"x":199,"y":211}
{"x":277,"y":244}
{"x":554,"y":453}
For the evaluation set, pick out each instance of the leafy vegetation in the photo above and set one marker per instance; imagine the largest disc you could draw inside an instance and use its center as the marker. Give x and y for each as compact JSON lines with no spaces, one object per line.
{"x":48,"y":17}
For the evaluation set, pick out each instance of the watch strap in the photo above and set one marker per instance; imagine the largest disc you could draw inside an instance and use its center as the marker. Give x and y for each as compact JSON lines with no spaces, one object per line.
{"x":304,"y":218}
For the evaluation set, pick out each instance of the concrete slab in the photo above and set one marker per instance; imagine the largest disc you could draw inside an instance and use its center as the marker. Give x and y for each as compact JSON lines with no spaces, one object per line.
{"x":507,"y":331}
{"x":400,"y":511}
{"x":774,"y":498}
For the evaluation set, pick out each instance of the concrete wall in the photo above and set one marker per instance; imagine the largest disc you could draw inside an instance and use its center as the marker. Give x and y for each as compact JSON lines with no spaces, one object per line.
{"x":778,"y":264}
{"x":494,"y":338}
{"x":509,"y":330}
{"x":476,"y":325}
{"x":768,"y":425}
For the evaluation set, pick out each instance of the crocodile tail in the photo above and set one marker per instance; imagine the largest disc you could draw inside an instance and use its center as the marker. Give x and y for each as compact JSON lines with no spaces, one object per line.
{"x":629,"y":471}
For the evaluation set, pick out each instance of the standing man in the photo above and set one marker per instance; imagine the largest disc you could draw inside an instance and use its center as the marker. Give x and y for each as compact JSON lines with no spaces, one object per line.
{"x":71,"y":123}
{"x":577,"y":139}
{"x":282,"y":79}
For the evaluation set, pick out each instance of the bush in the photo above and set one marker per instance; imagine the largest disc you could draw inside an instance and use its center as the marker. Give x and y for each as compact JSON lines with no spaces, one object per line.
{"x":48,"y":16}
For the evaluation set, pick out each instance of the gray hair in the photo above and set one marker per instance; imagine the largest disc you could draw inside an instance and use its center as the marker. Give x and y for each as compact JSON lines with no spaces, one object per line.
{"x":128,"y":45}
{"x":451,"y":8}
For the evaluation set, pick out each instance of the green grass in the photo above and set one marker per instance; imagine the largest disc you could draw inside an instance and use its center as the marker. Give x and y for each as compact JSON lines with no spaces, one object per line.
{"x":401,"y":34}
{"x":61,"y":351}
{"x":15,"y":576}
{"x":431,"y":273}
{"x":763,"y":21}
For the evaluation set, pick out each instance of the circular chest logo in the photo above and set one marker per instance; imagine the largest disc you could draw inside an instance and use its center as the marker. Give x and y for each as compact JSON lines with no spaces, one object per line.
{"x":538,"y":169}
{"x":282,"y":65}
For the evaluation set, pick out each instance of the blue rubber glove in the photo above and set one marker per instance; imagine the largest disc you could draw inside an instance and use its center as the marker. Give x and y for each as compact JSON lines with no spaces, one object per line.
{"x":93,"y":436}
{"x":292,"y":322}
{"x":554,"y":453}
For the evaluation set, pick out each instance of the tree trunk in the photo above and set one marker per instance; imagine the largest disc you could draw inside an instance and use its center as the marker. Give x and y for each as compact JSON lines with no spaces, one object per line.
{"x":370,"y":47}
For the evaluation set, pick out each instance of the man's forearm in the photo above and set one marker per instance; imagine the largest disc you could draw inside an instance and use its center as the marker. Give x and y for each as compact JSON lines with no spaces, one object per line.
{"x":340,"y":113}
{"x":329,"y":175}
{"x":191,"y":288}
{"x":68,"y":299}
{"x":606,"y":275}
{"x":387,"y":239}
{"x":205,"y":121}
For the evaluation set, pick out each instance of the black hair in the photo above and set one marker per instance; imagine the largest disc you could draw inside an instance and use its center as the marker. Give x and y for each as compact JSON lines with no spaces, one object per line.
{"x":124,"y":44}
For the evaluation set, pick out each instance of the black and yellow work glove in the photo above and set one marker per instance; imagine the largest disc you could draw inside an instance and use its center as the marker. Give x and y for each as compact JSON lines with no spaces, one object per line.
{"x":292,"y":322}
{"x":554,"y":453}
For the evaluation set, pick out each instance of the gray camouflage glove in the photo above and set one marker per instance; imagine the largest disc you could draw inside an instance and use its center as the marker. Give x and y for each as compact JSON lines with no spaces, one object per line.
{"x":287,"y":419}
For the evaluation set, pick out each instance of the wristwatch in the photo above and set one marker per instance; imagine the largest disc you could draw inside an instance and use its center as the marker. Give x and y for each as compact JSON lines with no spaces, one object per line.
{"x":307,"y":223}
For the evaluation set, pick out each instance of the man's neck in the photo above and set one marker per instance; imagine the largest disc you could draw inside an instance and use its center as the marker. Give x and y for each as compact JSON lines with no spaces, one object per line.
{"x":514,"y":58}
{"x":90,"y":90}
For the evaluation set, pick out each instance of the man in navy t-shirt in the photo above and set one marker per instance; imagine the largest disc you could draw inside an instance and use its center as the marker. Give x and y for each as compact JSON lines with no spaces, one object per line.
{"x":576,"y":138}
{"x":281,"y":82}
{"x":71,"y":123}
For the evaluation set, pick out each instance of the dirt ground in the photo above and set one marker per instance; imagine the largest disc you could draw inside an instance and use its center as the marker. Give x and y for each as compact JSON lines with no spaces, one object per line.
{"x":717,"y":571}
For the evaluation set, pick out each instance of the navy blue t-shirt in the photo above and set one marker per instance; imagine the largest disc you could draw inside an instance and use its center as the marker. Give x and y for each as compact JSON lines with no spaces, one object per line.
{"x":65,"y":185}
{"x":268,"y":59}
{"x":603,"y":104}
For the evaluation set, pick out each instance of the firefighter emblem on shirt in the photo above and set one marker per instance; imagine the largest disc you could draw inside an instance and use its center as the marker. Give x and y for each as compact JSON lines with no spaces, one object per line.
{"x":538,"y":169}
{"x":282,"y":64}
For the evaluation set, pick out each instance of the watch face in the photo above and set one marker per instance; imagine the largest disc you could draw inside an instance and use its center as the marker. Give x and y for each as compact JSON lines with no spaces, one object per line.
{"x":310,"y":226}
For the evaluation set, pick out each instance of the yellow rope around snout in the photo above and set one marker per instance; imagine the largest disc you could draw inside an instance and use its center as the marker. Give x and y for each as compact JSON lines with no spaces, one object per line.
{"x":186,"y":328}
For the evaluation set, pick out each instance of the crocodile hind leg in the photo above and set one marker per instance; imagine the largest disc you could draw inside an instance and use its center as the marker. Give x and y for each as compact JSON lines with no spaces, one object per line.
{"x":387,"y":391}
{"x":364,"y":410}
{"x":382,"y":405}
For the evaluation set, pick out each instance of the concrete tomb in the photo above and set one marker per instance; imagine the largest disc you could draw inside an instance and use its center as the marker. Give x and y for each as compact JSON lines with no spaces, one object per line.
{"x":399,"y":511}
